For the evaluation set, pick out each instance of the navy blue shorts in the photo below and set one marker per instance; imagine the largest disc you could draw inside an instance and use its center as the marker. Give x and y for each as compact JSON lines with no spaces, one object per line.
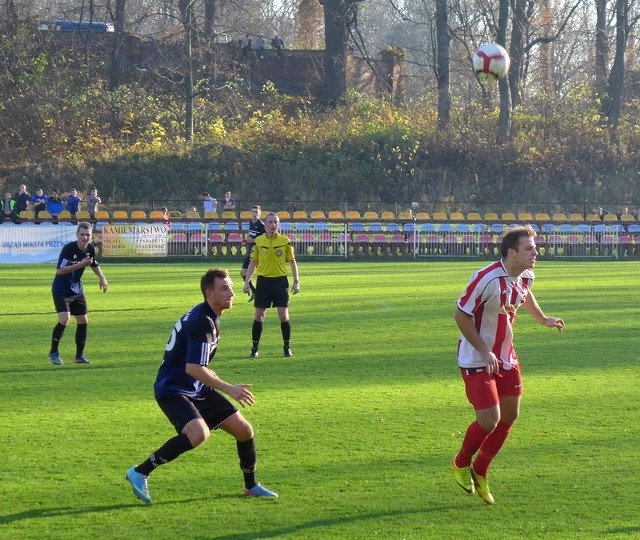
{"x":76,"y":305}
{"x":214,"y":409}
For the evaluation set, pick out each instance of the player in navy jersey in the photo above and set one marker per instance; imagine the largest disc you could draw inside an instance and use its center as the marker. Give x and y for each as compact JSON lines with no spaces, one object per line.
{"x":256,"y":228}
{"x":189,"y":393}
{"x":487,"y":360}
{"x":68,"y":294}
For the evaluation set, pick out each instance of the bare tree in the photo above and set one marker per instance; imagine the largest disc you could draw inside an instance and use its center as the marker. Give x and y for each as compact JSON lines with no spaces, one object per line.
{"x":442,"y":65}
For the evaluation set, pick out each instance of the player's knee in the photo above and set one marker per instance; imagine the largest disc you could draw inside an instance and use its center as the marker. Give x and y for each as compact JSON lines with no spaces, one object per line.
{"x":244,"y":431}
{"x":198,"y":433}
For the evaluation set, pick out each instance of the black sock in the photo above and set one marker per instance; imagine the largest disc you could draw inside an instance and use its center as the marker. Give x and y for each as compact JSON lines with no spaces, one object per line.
{"x":285,"y":327}
{"x":81,"y":339}
{"x":166,"y":453}
{"x":256,"y":332}
{"x":58,"y":331}
{"x":248,"y":460}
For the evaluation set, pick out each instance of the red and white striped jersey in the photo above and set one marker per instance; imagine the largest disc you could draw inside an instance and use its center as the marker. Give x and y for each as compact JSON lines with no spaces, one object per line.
{"x":492,"y":298}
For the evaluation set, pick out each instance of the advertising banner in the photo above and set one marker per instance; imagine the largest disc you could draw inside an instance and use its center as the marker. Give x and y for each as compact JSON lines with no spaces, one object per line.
{"x":28,"y":243}
{"x":135,"y":240}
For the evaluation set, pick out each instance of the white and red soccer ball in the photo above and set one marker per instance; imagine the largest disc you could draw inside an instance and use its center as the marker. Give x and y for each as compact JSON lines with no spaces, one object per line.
{"x":490,"y":61}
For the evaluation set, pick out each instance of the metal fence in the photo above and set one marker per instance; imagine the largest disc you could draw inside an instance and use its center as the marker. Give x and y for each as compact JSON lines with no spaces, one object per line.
{"x":404,"y":241}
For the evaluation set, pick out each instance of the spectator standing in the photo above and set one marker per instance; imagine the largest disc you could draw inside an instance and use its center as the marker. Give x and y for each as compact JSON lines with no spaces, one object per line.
{"x":54,"y":204}
{"x":68,"y":294}
{"x":269,"y":257}
{"x":191,"y":395}
{"x":261,"y":46}
{"x":73,"y":203}
{"x":246,"y":45}
{"x":278,"y":44}
{"x":9,"y":208}
{"x":38,"y":202}
{"x":228,"y":203}
{"x":92,"y":202}
{"x":22,"y":198}
{"x":486,"y":357}
{"x":209,"y":204}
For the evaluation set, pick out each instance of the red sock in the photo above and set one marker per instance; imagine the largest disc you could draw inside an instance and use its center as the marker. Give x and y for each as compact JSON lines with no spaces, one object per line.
{"x":472,"y":440}
{"x":490,"y":448}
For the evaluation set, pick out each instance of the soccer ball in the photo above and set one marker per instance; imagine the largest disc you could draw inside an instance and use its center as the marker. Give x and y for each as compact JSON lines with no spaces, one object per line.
{"x":491,"y":61}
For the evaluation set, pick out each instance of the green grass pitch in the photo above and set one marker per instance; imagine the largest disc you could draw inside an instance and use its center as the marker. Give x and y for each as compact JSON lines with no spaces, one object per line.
{"x":355,"y":432}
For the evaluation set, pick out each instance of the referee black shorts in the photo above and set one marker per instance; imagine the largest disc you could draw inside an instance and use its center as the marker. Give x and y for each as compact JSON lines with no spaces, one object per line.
{"x":272,"y":292}
{"x":76,"y":305}
{"x":213,"y":408}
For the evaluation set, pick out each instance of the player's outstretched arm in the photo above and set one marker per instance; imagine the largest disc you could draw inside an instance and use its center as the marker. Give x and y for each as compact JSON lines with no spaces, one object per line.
{"x":239,"y":392}
{"x":532,"y":306}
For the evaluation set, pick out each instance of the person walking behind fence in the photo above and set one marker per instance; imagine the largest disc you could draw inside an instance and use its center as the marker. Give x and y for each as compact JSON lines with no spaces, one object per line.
{"x":269,"y":257}
{"x":68,"y":294}
{"x":256,"y":228}
{"x":278,"y":44}
{"x":486,"y":357}
{"x":191,"y":396}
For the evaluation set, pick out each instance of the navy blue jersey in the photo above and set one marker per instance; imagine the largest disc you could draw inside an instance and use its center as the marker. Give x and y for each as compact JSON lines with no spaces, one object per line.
{"x":256,"y":228}
{"x":193,"y":340}
{"x":70,"y":284}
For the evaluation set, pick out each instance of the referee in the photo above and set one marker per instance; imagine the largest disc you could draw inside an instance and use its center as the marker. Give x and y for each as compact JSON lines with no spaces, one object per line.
{"x":270,"y":254}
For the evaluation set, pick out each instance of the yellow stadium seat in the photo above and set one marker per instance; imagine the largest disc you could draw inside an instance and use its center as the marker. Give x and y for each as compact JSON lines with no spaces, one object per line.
{"x":610,"y":218}
{"x":84,"y":214}
{"x":490,"y":216}
{"x":336,"y":214}
{"x":300,"y":214}
{"x":474,"y":216}
{"x":229,"y":214}
{"x":65,"y":215}
{"x":29,"y":214}
{"x":213,"y":215}
{"x":283,"y":214}
{"x":156,"y":214}
{"x":423,"y":216}
{"x":43,"y":214}
{"x":370,"y":215}
{"x":245,"y":214}
{"x":525,"y":217}
{"x":440,"y":216}
{"x":627,"y":218}
{"x":101,"y":215}
{"x":559,"y":216}
{"x":388,"y":216}
{"x":138,"y":214}
{"x":318,"y":214}
{"x":593,"y":218}
{"x":353,"y":214}
{"x":191,"y":214}
{"x":456,"y":216}
{"x":403,"y":216}
{"x":508,"y":216}
{"x":120,"y":214}
{"x":576,"y":218}
{"x":542,"y":216}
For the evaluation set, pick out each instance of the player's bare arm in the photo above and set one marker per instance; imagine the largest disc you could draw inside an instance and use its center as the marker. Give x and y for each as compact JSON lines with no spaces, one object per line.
{"x":247,"y":277}
{"x":239,"y":392}
{"x":296,"y":281}
{"x":532,"y":307}
{"x":467,"y":326}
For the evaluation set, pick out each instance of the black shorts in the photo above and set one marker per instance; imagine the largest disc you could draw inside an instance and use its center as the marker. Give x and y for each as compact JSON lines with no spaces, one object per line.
{"x":214,"y":409}
{"x":272,"y":292}
{"x":76,"y":305}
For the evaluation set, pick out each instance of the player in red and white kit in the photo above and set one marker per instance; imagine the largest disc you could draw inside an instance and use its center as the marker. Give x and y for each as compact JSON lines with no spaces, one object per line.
{"x":486,"y":357}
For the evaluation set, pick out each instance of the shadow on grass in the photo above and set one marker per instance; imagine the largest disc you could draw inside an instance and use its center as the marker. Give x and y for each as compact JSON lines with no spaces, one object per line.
{"x":329,"y":522}
{"x":46,"y":513}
